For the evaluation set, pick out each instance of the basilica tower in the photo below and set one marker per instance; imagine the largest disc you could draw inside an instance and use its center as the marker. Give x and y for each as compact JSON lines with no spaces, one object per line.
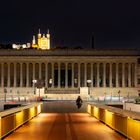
{"x":39,"y":39}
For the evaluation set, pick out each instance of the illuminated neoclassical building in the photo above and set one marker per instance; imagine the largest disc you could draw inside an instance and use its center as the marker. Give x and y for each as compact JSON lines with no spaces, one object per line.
{"x":43,"y":41}
{"x":67,"y":73}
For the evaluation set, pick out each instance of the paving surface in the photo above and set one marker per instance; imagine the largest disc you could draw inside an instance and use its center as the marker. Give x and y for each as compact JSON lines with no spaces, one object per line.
{"x":63,"y":107}
{"x":64,"y":126}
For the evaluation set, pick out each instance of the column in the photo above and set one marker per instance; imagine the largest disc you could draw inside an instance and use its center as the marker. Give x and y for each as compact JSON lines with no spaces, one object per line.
{"x":123,"y":80}
{"x":2,"y":75}
{"x":79,"y":75}
{"x":34,"y":71}
{"x":27,"y":74}
{"x":66,"y":75}
{"x":46,"y":75}
{"x":40,"y":74}
{"x":52,"y":75}
{"x":15,"y":75}
{"x":98,"y":74}
{"x":72,"y":79}
{"x":110,"y":77}
{"x":21,"y":75}
{"x":104,"y":74}
{"x":135,"y":75}
{"x":117,"y":79}
{"x":91,"y":74}
{"x":85,"y":75}
{"x":129,"y":75}
{"x":59,"y":75}
{"x":8,"y":76}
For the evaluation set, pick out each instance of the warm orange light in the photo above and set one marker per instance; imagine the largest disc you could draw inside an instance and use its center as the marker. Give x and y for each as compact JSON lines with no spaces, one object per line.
{"x":133,"y":128}
{"x":32,"y":112}
{"x":109,"y":118}
{"x":18,"y":119}
{"x":89,"y":109}
{"x":39,"y":109}
{"x":96,"y":112}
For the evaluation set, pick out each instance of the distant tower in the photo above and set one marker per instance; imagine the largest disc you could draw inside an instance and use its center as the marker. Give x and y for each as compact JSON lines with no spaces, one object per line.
{"x":34,"y":45}
{"x":39,"y":34}
{"x":33,"y":42}
{"x":48,"y":39}
{"x":39,"y":39}
{"x":48,"y":34}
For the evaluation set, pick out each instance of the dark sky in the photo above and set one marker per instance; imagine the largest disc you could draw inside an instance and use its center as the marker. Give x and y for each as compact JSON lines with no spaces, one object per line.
{"x":115,"y":24}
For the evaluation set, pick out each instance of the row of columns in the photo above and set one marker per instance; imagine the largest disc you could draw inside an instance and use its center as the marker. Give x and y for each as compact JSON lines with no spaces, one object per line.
{"x":72,"y":75}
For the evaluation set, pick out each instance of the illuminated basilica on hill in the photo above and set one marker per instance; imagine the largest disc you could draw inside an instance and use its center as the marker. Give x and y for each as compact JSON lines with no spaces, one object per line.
{"x":43,"y":41}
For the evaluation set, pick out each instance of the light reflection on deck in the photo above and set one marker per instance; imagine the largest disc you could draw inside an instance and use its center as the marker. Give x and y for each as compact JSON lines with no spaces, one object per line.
{"x":64,"y":126}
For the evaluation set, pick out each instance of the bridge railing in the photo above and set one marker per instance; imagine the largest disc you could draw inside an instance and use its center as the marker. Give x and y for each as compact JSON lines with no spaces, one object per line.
{"x":123,"y":121}
{"x":11,"y":119}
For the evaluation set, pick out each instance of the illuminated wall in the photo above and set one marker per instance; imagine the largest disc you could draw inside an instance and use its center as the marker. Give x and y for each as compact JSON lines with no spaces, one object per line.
{"x":120,"y":122}
{"x":13,"y":119}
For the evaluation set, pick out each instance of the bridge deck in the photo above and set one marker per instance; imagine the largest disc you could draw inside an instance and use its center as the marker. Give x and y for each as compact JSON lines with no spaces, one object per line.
{"x":64,"y":126}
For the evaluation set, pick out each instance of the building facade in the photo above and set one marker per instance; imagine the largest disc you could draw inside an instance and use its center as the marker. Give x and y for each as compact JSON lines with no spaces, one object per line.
{"x":66,"y":73}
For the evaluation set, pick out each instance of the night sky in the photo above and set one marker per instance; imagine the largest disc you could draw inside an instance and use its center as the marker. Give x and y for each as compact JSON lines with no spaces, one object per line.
{"x":115,"y":24}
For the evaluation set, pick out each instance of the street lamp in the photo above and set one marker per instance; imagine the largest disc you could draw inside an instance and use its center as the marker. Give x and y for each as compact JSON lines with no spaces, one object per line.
{"x":50,"y":82}
{"x":111,"y":97}
{"x":119,"y":92}
{"x":128,"y":97}
{"x":88,"y":84}
{"x":18,"y":95}
{"x":34,"y":82}
{"x":75,"y":82}
{"x":11,"y":94}
{"x":105,"y":96}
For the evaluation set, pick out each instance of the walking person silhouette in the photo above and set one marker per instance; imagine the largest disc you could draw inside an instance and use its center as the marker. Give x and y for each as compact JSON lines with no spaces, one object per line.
{"x":79,"y":102}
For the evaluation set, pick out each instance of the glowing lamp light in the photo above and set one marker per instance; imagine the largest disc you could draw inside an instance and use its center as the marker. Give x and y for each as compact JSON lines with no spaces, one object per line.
{"x":89,"y":81}
{"x":34,"y":81}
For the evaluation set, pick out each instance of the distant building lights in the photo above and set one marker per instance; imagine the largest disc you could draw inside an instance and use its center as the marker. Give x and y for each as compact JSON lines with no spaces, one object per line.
{"x":21,"y":46}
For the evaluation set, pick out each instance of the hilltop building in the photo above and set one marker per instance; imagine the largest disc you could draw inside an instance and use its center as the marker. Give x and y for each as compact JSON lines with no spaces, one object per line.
{"x":43,"y":41}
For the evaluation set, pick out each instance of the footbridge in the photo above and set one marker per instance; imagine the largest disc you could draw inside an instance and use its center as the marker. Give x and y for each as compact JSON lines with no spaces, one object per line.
{"x":62,"y":120}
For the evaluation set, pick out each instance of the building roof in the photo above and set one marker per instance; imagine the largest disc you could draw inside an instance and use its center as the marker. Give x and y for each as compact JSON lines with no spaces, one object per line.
{"x":69,"y":52}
